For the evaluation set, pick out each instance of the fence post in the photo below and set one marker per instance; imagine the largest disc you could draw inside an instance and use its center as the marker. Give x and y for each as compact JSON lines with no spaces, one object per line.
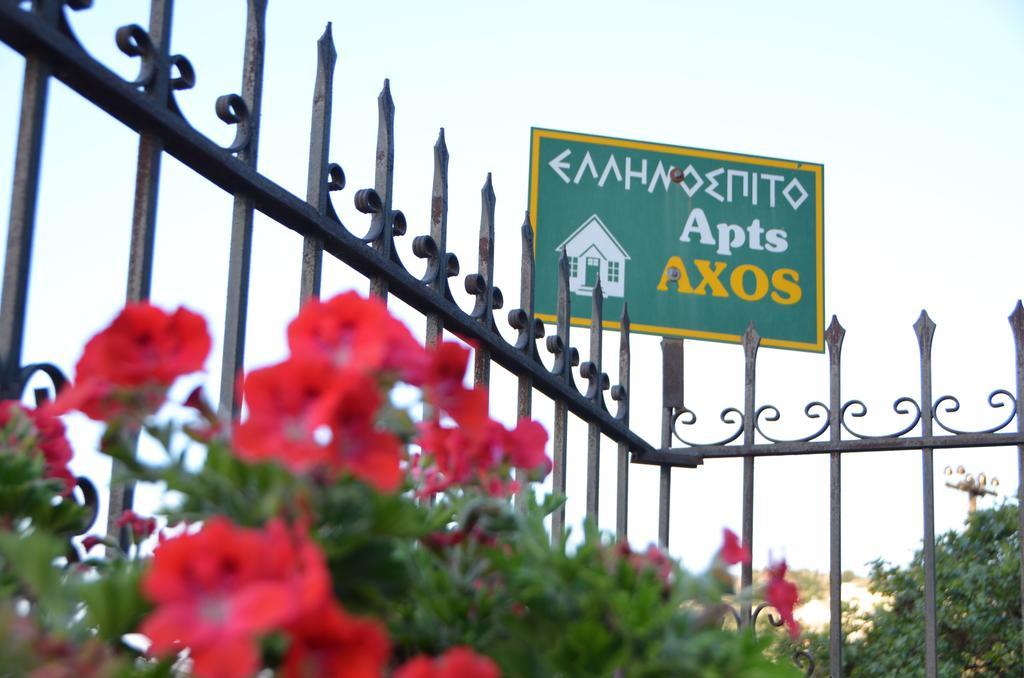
{"x":621,"y":394}
{"x":925,"y":330}
{"x":381,"y":234}
{"x":565,"y":358}
{"x":488,"y":297}
{"x":240,"y":249}
{"x":530,"y":329}
{"x":317,"y":181}
{"x":591,"y":370}
{"x":834,"y":338}
{"x":140,"y":253}
{"x":751,"y":341}
{"x":671,"y":401}
{"x":1017,"y":326}
{"x":22,"y":224}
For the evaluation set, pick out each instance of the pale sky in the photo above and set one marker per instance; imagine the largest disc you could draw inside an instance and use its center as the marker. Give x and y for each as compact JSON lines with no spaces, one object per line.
{"x":914,"y":109}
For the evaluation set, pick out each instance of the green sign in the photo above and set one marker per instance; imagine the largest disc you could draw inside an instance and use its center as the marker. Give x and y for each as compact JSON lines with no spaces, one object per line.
{"x":699,"y":243}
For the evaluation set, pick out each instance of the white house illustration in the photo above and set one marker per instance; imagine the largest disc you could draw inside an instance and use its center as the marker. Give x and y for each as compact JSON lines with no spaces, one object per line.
{"x":594,"y":253}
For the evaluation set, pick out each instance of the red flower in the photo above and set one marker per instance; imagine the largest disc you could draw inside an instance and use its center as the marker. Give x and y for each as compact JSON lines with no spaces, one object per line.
{"x":525,"y":446}
{"x":127,"y":368}
{"x":330,"y":642}
{"x":442,"y":382}
{"x":27,"y":430}
{"x":280,"y":399}
{"x":306,"y":415}
{"x":481,"y":451}
{"x":216,"y":590}
{"x":352,"y":331}
{"x":141,"y":527}
{"x":782,"y":595}
{"x":348,"y":411}
{"x":732,"y":551}
{"x":458,"y":662}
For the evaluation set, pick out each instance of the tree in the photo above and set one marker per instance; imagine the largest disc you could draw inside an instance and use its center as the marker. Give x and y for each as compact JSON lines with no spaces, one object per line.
{"x":978,"y":608}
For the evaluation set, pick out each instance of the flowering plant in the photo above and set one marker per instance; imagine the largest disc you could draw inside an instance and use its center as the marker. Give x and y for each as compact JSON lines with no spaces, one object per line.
{"x":311,"y":541}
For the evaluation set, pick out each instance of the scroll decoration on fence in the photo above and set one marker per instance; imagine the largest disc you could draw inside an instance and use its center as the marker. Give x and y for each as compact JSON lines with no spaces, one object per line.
{"x":687,"y":417}
{"x":857,"y":409}
{"x":134,"y":41}
{"x":846,"y":412}
{"x":953,"y":405}
{"x":812,"y":410}
{"x":804,"y":660}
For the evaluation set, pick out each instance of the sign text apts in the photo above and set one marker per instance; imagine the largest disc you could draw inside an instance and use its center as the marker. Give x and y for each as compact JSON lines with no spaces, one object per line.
{"x":698,"y":242}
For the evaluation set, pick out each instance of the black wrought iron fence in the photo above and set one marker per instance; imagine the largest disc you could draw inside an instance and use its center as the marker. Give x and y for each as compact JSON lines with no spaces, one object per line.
{"x":40,"y":30}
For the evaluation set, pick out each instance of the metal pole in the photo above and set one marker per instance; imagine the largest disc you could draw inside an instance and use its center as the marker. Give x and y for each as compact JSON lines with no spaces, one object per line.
{"x":140,"y":253}
{"x":523,"y":320}
{"x":834,"y":338}
{"x":621,"y":394}
{"x":1017,"y":326}
{"x":317,"y":184}
{"x":240,"y":250}
{"x":925,"y":330}
{"x":592,"y":371}
{"x":381,"y":226}
{"x":22,"y":224}
{"x":565,"y":358}
{"x":671,"y":401}
{"x":751,"y":341}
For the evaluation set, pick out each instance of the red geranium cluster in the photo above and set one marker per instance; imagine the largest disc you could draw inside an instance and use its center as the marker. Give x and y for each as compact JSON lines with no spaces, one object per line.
{"x":476,"y":448}
{"x":126,"y":369}
{"x":24,"y":430}
{"x":319,"y":409}
{"x":219,"y":590}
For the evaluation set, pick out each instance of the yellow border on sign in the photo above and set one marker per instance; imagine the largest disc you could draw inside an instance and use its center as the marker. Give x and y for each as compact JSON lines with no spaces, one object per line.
{"x":536,"y":134}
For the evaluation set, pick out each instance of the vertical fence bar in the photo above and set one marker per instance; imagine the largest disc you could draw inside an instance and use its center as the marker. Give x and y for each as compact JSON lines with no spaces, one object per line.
{"x":319,"y":149}
{"x":383,"y":183}
{"x":834,"y":338}
{"x":147,"y":174}
{"x":622,"y":395}
{"x":565,"y":358}
{"x":671,"y":401}
{"x":924,"y":328}
{"x":483,"y":283}
{"x":527,"y":342}
{"x":751,"y":341}
{"x":1017,"y":326}
{"x":439,"y":234}
{"x":22,"y":223}
{"x":240,"y":249}
{"x":143,"y":234}
{"x":592,"y":371}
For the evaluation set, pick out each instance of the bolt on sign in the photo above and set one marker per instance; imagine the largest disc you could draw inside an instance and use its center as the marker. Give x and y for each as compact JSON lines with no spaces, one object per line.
{"x":699,"y":243}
